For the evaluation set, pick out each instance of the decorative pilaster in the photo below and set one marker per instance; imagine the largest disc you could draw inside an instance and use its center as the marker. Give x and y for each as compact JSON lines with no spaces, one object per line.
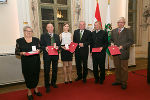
{"x":76,"y":13}
{"x":34,"y":17}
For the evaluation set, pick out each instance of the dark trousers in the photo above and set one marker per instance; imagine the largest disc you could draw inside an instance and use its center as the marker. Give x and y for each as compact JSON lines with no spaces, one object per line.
{"x":99,"y":61}
{"x":47,"y":64}
{"x":121,"y":70}
{"x":81,"y":62}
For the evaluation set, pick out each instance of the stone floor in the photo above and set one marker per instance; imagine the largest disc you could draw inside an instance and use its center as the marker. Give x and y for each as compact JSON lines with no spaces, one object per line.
{"x":140,"y":64}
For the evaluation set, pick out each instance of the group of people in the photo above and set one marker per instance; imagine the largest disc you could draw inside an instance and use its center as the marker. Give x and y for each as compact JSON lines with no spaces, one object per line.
{"x":121,"y":37}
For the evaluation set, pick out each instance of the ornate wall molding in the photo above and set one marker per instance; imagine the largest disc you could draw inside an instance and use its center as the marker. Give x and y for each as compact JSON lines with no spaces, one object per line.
{"x":76,"y":13}
{"x":34,"y":17}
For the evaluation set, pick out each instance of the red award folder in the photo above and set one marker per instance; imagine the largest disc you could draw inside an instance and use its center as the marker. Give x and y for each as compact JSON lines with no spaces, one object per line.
{"x":52,"y":50}
{"x":31,"y":53}
{"x":72,"y":47}
{"x":96,"y":49}
{"x":114,"y":50}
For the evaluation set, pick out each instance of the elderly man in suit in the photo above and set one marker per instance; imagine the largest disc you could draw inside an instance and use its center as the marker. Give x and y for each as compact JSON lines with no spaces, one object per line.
{"x":123,"y":38}
{"x":82,"y":37}
{"x":48,"y":39}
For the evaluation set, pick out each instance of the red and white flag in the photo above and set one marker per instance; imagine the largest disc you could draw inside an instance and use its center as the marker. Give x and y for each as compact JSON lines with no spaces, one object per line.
{"x":97,"y":14}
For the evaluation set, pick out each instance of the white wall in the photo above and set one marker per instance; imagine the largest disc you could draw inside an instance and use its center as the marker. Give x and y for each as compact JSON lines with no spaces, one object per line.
{"x":12,"y":18}
{"x":9,"y":26}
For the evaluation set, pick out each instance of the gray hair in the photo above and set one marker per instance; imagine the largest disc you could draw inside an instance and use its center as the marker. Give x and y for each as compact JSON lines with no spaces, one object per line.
{"x":25,"y":27}
{"x":121,"y":18}
{"x":83,"y":22}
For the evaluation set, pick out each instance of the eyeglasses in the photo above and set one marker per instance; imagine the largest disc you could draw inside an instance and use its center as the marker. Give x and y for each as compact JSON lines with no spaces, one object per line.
{"x":28,"y":31}
{"x":121,"y":22}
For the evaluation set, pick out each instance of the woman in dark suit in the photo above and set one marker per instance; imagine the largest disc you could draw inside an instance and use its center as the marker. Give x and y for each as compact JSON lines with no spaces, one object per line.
{"x":31,"y":63}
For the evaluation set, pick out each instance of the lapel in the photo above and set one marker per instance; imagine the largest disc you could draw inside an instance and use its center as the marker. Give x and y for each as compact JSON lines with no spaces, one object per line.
{"x":83,"y":34}
{"x":48,"y":36}
{"x":78,"y":34}
{"x":122,"y":33}
{"x":54,"y":36}
{"x":117,"y":34}
{"x":94,"y":33}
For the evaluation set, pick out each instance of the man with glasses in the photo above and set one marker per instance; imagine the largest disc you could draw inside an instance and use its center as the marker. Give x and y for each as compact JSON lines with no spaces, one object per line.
{"x":123,"y":38}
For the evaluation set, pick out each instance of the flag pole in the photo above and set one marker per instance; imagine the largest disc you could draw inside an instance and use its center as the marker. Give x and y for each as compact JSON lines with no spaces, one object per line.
{"x":108,"y":71}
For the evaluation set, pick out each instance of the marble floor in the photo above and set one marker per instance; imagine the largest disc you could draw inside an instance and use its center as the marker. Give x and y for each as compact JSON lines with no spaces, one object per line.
{"x":140,"y":64}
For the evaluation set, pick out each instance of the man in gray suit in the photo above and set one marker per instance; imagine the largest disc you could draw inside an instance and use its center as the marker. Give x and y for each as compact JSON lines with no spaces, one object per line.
{"x":123,"y":38}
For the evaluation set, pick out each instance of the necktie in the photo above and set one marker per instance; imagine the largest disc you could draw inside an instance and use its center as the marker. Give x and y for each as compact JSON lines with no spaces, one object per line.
{"x":119,"y":30}
{"x":80,"y":35}
{"x":52,"y":39}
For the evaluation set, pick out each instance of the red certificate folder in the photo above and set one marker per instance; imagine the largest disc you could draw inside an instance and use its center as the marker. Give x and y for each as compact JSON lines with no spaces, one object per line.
{"x":52,"y":50}
{"x":114,"y":50}
{"x":31,"y":53}
{"x":96,"y":49}
{"x":72,"y":47}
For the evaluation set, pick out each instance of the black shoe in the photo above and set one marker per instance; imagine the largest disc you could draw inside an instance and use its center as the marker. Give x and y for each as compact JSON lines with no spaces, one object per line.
{"x":70,"y":81}
{"x":54,"y":86}
{"x":78,"y":78}
{"x":47,"y":90}
{"x":96,"y":81}
{"x":101,"y":82}
{"x":30,"y":97}
{"x":66,"y":82}
{"x":84,"y":80}
{"x":116,"y":83}
{"x":123,"y":87}
{"x":37,"y":93}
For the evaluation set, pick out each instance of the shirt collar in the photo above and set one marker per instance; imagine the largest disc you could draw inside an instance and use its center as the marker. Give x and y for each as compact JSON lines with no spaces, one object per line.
{"x":51,"y":34}
{"x":97,"y":31}
{"x":121,"y":29}
{"x":82,"y":31}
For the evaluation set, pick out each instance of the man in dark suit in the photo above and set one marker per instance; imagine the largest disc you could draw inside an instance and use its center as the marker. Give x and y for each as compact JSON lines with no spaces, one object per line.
{"x":48,"y":39}
{"x":100,"y":41}
{"x":123,"y":38}
{"x":82,"y":37}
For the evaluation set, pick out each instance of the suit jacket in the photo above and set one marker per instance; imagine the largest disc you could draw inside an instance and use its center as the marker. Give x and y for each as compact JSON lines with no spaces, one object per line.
{"x":125,"y":39}
{"x":99,"y":39}
{"x":86,"y":38}
{"x":46,"y":41}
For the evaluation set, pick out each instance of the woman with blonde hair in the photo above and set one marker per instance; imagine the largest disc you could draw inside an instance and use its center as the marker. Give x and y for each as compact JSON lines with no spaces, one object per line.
{"x":30,"y":63}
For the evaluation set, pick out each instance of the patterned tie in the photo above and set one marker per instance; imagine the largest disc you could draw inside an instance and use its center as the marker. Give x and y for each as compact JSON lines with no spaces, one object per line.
{"x":52,"y":40}
{"x":119,"y":30}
